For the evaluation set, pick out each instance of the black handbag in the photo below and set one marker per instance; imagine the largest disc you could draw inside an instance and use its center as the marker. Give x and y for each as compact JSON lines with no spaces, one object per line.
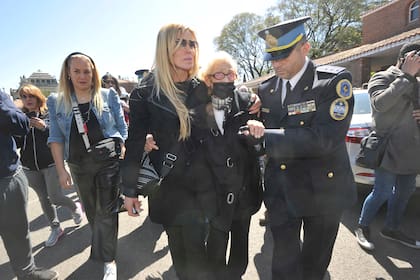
{"x":372,"y":150}
{"x":148,"y":177}
{"x":149,"y":180}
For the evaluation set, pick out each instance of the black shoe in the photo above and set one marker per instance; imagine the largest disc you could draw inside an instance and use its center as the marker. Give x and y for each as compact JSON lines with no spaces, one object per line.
{"x":41,"y":274}
{"x":399,"y":236}
{"x":362,"y":237}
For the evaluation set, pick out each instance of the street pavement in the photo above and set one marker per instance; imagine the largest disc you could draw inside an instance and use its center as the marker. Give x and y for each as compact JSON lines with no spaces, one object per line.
{"x":143,"y":252}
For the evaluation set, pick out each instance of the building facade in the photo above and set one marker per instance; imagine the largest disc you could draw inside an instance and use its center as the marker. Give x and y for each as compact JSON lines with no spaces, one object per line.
{"x":42,"y":80}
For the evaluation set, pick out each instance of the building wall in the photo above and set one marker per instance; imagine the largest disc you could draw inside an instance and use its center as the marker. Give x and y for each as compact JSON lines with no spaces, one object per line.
{"x":387,"y":21}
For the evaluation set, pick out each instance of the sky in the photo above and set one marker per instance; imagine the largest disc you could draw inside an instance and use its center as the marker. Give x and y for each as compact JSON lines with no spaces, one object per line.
{"x":119,"y":35}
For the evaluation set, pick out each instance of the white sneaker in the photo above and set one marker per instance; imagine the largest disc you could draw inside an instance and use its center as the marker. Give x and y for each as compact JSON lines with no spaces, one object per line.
{"x":77,"y":214}
{"x":110,"y":271}
{"x":55,"y":234}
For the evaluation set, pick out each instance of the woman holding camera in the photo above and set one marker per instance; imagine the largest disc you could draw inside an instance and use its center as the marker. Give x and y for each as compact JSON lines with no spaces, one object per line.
{"x":88,"y":130}
{"x":38,"y":163}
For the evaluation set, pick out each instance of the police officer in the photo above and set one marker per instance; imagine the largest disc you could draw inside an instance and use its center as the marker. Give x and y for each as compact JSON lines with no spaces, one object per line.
{"x":308,"y":179}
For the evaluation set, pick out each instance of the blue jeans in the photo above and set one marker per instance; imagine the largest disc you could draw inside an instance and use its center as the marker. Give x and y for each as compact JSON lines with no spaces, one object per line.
{"x":393,"y":188}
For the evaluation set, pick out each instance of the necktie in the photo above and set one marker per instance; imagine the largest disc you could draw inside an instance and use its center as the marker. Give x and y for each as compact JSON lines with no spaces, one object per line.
{"x":287,"y":92}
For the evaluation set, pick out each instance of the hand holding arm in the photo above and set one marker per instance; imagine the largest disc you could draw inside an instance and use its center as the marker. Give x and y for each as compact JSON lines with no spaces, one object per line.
{"x":150,"y":144}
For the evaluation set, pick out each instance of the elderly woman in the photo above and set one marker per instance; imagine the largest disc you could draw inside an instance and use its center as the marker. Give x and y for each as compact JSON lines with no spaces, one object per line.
{"x":88,"y":130}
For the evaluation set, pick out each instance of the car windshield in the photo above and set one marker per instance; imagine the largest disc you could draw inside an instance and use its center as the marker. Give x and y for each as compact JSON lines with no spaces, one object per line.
{"x":362,"y":103}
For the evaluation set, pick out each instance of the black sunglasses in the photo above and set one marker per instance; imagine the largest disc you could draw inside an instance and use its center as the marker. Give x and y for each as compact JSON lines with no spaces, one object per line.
{"x":192,"y":44}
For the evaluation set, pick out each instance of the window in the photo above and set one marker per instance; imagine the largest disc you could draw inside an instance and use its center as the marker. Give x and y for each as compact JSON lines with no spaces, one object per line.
{"x":414,"y":11}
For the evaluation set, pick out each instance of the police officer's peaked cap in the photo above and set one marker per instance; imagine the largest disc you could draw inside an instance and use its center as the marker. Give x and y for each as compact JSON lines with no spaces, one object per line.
{"x":141,"y":72}
{"x":281,"y":38}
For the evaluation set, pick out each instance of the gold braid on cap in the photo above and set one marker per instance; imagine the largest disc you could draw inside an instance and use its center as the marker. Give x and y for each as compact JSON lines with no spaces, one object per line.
{"x":274,"y":47}
{"x":270,"y":40}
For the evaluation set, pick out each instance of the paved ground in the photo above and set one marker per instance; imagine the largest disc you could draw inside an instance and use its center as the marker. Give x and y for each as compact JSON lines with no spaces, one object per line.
{"x":143,"y":250}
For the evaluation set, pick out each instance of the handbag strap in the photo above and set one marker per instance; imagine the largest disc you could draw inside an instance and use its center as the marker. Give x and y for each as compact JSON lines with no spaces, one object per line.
{"x":169,"y":161}
{"x":81,"y":127}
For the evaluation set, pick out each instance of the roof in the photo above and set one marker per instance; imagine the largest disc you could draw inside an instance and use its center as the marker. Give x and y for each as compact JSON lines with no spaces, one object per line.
{"x":370,"y":49}
{"x":41,"y":75}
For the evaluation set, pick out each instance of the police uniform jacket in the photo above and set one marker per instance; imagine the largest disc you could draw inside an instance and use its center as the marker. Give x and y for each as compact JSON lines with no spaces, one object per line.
{"x":232,"y":161}
{"x":308,"y":171}
{"x":177,"y":200}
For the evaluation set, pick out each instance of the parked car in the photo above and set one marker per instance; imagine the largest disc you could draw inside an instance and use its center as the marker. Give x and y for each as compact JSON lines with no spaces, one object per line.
{"x":360,"y":126}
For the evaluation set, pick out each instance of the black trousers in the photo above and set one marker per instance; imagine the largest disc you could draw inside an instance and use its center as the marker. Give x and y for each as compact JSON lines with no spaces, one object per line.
{"x":238,"y":256}
{"x":97,"y":184}
{"x":14,"y":228}
{"x":307,"y":259}
{"x":187,"y":247}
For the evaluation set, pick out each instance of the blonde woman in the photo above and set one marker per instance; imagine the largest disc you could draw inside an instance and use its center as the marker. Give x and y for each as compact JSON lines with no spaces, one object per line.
{"x":160,"y":106}
{"x":38,"y":163}
{"x":87,"y":129}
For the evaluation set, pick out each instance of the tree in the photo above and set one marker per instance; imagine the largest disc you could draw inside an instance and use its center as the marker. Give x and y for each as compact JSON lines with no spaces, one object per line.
{"x":335,"y":25}
{"x":239,"y":38}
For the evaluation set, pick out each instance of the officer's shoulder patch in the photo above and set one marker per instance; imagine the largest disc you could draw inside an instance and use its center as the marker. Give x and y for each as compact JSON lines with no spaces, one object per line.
{"x":339,"y":109}
{"x":330,"y":69}
{"x":344,"y":89}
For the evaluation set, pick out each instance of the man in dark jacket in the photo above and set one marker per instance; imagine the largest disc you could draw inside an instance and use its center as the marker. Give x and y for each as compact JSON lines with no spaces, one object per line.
{"x":308,"y":179}
{"x":14,"y":228}
{"x":394,"y":95}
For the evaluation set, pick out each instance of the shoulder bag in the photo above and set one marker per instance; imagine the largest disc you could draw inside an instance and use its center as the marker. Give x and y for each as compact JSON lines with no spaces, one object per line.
{"x":372,"y":149}
{"x":149,"y":180}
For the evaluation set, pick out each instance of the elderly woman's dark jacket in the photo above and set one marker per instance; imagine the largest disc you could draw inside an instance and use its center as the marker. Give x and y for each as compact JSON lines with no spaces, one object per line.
{"x":233,"y":162}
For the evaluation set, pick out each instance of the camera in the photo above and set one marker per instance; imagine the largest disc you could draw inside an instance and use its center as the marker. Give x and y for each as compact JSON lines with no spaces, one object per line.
{"x":32,"y":114}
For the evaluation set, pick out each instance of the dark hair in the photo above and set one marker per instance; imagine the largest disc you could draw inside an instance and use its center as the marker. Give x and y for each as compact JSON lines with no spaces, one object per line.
{"x":408,"y":47}
{"x":108,"y":76}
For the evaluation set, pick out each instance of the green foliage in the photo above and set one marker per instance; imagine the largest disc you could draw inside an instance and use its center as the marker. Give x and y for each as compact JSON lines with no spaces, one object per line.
{"x":335,"y":26}
{"x":239,"y":38}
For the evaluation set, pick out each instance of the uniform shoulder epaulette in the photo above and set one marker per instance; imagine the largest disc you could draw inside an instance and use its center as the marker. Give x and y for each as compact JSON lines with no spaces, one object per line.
{"x":269,"y":79}
{"x":330,"y":69}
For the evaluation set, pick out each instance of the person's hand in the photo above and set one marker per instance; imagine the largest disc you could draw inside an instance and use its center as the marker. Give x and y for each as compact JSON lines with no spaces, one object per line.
{"x":150,"y":144}
{"x":256,"y":104}
{"x":416,"y":115}
{"x":65,"y":179}
{"x":255,"y":129}
{"x":132,"y":204}
{"x":37,"y":123}
{"x":411,"y":64}
{"x":123,"y":149}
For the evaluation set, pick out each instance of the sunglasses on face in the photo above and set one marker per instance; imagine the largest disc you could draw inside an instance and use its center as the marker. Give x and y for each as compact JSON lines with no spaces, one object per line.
{"x":109,"y":82}
{"x":220,"y":76}
{"x":184,"y":43}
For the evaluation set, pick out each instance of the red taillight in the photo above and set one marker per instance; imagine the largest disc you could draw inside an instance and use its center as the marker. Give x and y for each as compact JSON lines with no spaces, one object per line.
{"x":356,"y":134}
{"x":365,"y":174}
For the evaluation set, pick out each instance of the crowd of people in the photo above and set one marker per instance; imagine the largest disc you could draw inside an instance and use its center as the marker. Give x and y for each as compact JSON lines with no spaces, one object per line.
{"x":206,"y":138}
